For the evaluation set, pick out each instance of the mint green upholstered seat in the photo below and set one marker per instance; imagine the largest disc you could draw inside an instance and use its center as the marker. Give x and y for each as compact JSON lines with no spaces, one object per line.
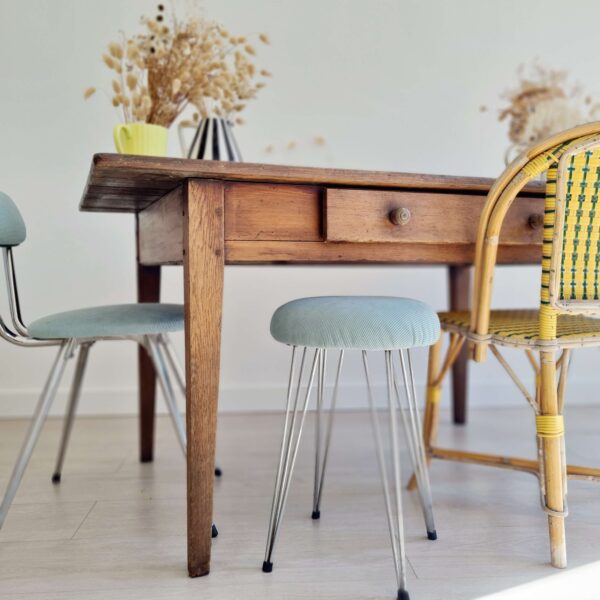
{"x":365,"y":322}
{"x":110,"y":321}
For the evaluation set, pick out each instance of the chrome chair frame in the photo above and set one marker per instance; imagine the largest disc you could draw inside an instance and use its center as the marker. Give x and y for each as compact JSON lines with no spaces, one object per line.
{"x":295,"y":416}
{"x":158,"y":347}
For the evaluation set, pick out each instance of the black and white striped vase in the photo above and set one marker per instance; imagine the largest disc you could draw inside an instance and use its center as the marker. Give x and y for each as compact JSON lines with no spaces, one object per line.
{"x":212,"y":140}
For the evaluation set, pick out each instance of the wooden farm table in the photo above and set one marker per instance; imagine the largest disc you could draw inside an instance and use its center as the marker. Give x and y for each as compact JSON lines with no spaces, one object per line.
{"x":207,"y":214}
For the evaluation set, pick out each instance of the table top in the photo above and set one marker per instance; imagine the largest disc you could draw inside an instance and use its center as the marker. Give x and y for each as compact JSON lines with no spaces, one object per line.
{"x":127,"y":183}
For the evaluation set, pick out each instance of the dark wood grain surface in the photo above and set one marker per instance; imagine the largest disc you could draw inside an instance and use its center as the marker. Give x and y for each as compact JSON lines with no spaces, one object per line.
{"x":203,"y":287}
{"x":124,"y":183}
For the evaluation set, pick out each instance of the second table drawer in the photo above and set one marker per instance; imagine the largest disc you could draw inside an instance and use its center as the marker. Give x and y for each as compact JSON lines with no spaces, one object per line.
{"x":423,"y":217}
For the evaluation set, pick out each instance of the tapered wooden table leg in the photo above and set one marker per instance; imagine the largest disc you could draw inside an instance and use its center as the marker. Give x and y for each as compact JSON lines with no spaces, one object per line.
{"x":203,"y":281}
{"x":459,"y":279}
{"x":148,"y":290}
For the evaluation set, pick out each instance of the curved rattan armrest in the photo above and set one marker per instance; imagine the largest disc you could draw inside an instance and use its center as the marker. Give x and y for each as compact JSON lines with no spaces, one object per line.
{"x":480,"y":312}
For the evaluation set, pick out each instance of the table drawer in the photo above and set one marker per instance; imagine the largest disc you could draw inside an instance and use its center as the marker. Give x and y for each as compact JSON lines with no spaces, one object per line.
{"x":423,"y":217}
{"x":263,"y":212}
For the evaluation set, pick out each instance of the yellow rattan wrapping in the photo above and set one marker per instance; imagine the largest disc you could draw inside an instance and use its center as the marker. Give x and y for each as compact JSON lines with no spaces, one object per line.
{"x":435,"y":394}
{"x":549,"y":426}
{"x":547,"y":325}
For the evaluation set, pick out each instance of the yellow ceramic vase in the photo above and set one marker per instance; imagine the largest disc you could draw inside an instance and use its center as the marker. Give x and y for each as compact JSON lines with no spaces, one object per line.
{"x":141,"y":138}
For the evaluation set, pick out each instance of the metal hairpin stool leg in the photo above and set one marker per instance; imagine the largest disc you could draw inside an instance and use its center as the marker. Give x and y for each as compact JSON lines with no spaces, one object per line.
{"x":296,"y":408}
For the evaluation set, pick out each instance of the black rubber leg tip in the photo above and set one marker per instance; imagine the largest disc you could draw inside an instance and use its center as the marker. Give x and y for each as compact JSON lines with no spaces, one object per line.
{"x":214,"y":531}
{"x":56,"y":478}
{"x":432,"y":535}
{"x":218,"y":472}
{"x":267,"y":566}
{"x":403,"y":595}
{"x":316,"y":515}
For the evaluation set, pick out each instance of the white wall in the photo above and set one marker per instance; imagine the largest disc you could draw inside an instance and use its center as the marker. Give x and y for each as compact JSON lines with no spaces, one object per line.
{"x":391,"y":84}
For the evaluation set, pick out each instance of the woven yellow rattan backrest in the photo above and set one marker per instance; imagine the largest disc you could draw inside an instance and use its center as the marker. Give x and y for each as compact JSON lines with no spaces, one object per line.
{"x":571,"y":255}
{"x":544,"y":157}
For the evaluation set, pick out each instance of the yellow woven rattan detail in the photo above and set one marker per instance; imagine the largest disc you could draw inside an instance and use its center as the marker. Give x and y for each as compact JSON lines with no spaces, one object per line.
{"x":580,"y":253}
{"x":581,"y":246}
{"x":549,"y":217}
{"x":524,"y":325}
{"x":548,"y":319}
{"x":549,"y":426}
{"x":539,"y":164}
{"x":434,"y":394}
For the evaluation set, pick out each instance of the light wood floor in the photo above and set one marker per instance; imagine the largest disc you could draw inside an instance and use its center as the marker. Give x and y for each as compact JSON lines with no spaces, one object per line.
{"x":116,"y":529}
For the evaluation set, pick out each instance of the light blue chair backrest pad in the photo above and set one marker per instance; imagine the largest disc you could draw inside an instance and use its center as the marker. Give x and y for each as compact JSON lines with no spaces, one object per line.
{"x":12,"y":226}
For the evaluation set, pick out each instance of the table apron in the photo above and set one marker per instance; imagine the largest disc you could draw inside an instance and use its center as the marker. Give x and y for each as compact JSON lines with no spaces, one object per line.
{"x":303,"y":224}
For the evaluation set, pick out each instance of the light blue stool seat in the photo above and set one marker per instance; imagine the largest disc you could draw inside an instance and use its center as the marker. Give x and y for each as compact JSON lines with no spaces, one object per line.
{"x":116,"y":320}
{"x":364,"y":322}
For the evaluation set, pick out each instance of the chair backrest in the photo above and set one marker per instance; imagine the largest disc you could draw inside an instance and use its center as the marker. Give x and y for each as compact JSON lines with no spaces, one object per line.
{"x":12,"y":233}
{"x":12,"y":226}
{"x":571,"y":243}
{"x":573,"y":277}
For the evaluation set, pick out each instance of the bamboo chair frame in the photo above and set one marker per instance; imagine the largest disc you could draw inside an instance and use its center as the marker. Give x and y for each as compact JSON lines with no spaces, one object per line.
{"x":548,"y":398}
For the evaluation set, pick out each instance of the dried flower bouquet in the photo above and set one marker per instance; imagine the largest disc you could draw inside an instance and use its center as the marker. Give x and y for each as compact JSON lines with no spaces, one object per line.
{"x":195,"y":62}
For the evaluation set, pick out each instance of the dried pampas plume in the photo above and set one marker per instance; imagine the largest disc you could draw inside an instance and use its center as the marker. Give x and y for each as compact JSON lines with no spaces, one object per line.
{"x":542,"y":104}
{"x":317,"y":140}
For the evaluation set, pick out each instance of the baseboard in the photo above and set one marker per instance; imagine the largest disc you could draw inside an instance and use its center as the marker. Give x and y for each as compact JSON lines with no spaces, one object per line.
{"x":123,"y":401}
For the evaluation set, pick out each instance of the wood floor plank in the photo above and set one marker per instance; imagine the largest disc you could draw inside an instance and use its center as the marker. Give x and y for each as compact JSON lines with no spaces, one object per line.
{"x":117,"y":529}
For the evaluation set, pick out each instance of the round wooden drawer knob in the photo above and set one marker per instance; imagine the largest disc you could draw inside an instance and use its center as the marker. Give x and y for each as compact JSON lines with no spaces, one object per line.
{"x":400,"y":216}
{"x":535,"y":221}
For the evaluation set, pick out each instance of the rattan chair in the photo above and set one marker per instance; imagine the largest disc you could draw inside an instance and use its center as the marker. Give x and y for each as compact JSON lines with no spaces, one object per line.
{"x":570,"y":292}
{"x":74,"y":332}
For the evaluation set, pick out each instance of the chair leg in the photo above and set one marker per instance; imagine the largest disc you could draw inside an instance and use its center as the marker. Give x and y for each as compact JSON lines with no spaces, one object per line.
{"x":155,"y":352}
{"x":320,"y":466}
{"x":175,"y":365}
{"x":432,"y":406}
{"x":432,"y":402}
{"x":295,"y":415}
{"x":412,"y":427}
{"x":39,"y":417}
{"x":393,"y":505}
{"x":553,"y":465}
{"x":167,"y":344}
{"x":71,"y":409}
